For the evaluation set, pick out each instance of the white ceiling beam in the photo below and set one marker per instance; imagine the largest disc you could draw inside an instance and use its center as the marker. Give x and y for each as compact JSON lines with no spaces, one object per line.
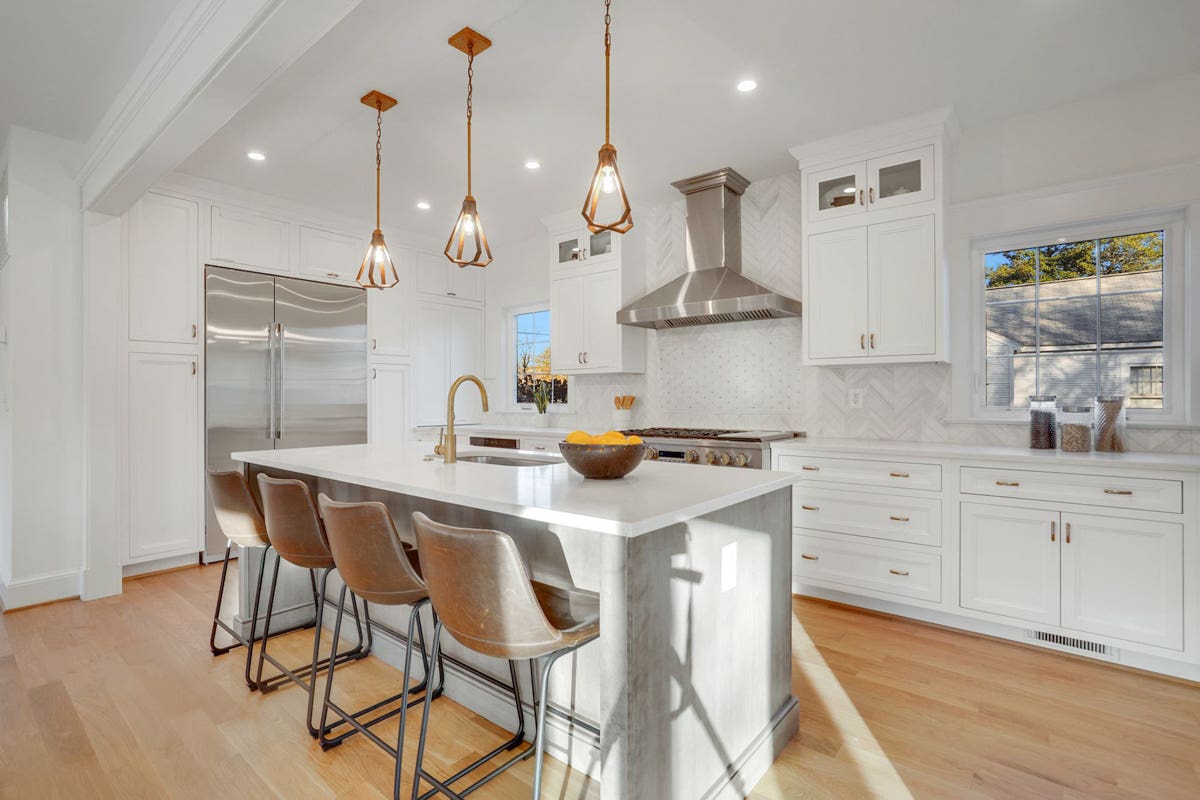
{"x":210,"y":60}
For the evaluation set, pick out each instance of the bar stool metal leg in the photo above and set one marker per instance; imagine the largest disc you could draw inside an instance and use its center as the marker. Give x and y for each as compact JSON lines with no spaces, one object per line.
{"x":212,"y":637}
{"x":262,"y":568}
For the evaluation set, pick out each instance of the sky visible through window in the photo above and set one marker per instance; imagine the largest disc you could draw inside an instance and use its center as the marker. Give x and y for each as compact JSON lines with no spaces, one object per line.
{"x":532,"y":358}
{"x":1076,"y":319}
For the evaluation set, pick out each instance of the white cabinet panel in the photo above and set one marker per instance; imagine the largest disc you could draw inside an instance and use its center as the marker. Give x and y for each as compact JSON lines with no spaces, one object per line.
{"x":542,"y":445}
{"x":1123,"y":578}
{"x":253,"y":240}
{"x":389,"y":404}
{"x":882,"y":516}
{"x":836,"y":301}
{"x":432,"y":276}
{"x":325,"y":254}
{"x":896,"y":474}
{"x":390,"y":311}
{"x":900,"y":178}
{"x":867,"y":565}
{"x":431,"y":346}
{"x":601,"y":334}
{"x":903,"y":288}
{"x":836,"y":192}
{"x":1009,"y":561}
{"x":164,"y":489}
{"x":566,"y":324}
{"x":1149,"y":494}
{"x":466,"y":358}
{"x":465,"y":283}
{"x":164,"y":270}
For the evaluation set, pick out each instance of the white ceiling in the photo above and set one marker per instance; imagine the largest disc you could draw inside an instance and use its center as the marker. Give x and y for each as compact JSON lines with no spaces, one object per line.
{"x":822,"y":67}
{"x":62,"y":62}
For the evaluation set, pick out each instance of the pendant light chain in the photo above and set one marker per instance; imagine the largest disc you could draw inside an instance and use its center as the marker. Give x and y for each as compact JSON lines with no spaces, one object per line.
{"x":378,"y":155}
{"x":470,"y":93}
{"x":607,"y":59}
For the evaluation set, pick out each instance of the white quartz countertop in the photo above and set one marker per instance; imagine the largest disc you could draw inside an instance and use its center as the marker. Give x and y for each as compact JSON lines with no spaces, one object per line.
{"x":653,"y":496}
{"x":1033,"y":458}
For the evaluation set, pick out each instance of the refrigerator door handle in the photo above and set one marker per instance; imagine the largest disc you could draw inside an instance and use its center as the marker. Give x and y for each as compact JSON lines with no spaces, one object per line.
{"x":281,"y":336}
{"x":270,"y":381}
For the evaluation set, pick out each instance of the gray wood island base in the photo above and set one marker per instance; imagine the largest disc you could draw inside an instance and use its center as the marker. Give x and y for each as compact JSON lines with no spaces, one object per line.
{"x":687,"y":692}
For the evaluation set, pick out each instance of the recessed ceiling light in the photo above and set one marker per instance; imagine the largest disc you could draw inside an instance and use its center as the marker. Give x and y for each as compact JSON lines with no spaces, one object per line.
{"x":254,"y":155}
{"x":747,"y":86}
{"x":532,"y":165}
{"x":421,"y":204}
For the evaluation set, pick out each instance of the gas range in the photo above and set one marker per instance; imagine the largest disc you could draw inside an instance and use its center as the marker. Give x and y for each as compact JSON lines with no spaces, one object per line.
{"x":711,"y":446}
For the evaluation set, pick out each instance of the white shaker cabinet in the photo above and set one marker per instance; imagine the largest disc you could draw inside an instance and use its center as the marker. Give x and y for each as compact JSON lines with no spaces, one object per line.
{"x":1123,"y":578}
{"x":447,"y":343}
{"x":389,"y":404}
{"x":438,"y":276}
{"x":1010,"y":561}
{"x":327,"y":255}
{"x":244,"y":238}
{"x":163,"y":281}
{"x":164,"y":488}
{"x":902,"y":288}
{"x":390,"y":311}
{"x":584,"y":334}
{"x":837,"y":315}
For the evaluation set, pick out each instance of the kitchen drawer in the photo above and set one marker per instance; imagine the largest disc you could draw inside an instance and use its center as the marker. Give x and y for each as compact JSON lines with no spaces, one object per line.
{"x":898,"y":474}
{"x":1143,"y":494}
{"x":540,"y":444}
{"x":867,"y":566}
{"x":883,"y":516}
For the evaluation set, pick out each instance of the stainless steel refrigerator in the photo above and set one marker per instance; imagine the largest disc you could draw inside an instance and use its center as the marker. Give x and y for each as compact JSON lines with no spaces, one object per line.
{"x":285,"y":366}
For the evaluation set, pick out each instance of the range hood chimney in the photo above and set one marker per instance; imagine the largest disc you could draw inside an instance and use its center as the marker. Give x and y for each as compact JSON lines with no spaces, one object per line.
{"x":713,"y":289}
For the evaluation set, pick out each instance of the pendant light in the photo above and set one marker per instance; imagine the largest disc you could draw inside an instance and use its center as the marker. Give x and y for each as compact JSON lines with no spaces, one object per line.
{"x":377,"y":270}
{"x":606,"y":207}
{"x":468,"y":244}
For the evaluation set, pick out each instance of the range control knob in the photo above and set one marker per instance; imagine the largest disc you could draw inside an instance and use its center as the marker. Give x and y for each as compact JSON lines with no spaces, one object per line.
{"x":651,"y":454}
{"x":691,"y":457}
{"x":742,"y":460}
{"x":725,"y":459}
{"x":710,"y":457}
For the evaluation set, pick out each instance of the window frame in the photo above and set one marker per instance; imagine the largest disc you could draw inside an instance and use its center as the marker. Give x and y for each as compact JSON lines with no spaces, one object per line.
{"x":510,"y":364}
{"x":1176,"y":357}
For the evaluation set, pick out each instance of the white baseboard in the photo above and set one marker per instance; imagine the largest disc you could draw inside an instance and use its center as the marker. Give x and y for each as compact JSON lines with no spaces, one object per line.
{"x":44,"y":588}
{"x":158,"y":565}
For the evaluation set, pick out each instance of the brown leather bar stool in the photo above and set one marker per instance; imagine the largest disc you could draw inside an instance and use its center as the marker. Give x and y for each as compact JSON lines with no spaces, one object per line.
{"x":242,"y":523}
{"x":482,"y":593}
{"x":380,"y":568}
{"x":298,"y":536}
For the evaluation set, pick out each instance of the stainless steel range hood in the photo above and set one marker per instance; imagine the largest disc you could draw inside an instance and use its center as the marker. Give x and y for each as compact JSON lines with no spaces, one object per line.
{"x":713,"y":289}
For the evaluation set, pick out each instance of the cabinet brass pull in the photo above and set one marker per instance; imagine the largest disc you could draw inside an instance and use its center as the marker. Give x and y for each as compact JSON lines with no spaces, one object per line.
{"x":1053,"y":530}
{"x":374,"y":373}
{"x":1068,"y":527}
{"x":862,"y":341}
{"x":810,"y":558}
{"x":895,"y":518}
{"x":1008,"y":483}
{"x":811,"y":508}
{"x":898,"y":474}
{"x":193,"y":367}
{"x":871,"y":198}
{"x":900,"y":572}
{"x":1119,"y":491}
{"x":810,"y":469}
{"x":861,"y":201}
{"x":374,"y":343}
{"x":193,"y":330}
{"x":331,"y":274}
{"x":872,"y":341}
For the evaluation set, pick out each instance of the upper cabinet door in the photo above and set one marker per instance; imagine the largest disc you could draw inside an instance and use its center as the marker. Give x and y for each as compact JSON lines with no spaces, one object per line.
{"x":900,"y":179}
{"x":1010,"y":559}
{"x":325,"y":254}
{"x":164,"y":270}
{"x":389,"y":311}
{"x":252,"y":240}
{"x":567,"y":249}
{"x":601,"y":334}
{"x":466,"y":358}
{"x":1123,"y":578}
{"x":903,"y":288}
{"x":836,"y":192}
{"x":566,"y":324}
{"x":432,"y":275}
{"x":601,"y":247}
{"x":836,"y":297}
{"x":465,"y":283}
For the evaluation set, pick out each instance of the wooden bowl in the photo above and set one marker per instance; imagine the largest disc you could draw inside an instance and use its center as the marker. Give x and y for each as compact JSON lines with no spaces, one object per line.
{"x":603,"y":461}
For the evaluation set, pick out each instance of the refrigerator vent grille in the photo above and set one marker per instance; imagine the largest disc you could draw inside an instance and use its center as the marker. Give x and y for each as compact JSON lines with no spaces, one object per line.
{"x":1070,"y":644}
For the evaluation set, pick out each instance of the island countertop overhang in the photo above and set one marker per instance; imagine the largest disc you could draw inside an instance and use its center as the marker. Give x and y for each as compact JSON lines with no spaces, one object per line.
{"x":652,"y":497}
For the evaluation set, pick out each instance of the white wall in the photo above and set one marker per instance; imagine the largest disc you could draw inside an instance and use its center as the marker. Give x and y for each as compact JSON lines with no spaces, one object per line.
{"x":43,"y":299}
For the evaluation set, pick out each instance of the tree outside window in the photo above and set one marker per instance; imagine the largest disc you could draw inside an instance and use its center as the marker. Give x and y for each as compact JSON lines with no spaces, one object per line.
{"x":532,"y":358}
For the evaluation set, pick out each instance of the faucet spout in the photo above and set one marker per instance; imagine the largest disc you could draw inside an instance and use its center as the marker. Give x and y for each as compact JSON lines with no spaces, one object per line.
{"x":450,"y":450}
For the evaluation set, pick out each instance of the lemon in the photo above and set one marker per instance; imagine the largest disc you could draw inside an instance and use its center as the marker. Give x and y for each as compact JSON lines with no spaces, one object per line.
{"x":633,"y":440}
{"x":613,"y":437}
{"x":579,"y":437}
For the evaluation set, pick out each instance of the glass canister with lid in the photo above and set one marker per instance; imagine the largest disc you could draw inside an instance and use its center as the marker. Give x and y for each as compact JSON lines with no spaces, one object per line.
{"x":1110,"y":424}
{"x":1043,"y":421}
{"x":1075,"y":428}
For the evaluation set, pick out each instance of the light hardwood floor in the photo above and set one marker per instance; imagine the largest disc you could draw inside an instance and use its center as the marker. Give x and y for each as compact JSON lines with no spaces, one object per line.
{"x":120,"y":698}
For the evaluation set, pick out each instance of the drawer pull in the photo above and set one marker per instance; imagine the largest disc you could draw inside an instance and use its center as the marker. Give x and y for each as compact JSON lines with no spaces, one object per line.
{"x":1068,"y":526}
{"x":807,"y":468}
{"x":1125,"y":492}
{"x":810,"y":558}
{"x":901,"y":572}
{"x":895,"y":518}
{"x":1053,"y":530}
{"x":811,"y":508}
{"x":898,"y":474}
{"x":1008,"y":483}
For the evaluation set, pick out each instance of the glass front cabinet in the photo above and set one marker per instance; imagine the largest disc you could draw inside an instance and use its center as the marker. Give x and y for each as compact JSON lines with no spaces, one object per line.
{"x":579,"y":246}
{"x":874,"y":185}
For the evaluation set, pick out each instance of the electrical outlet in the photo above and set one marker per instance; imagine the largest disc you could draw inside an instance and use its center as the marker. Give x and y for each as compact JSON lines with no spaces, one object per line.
{"x":854,"y":398}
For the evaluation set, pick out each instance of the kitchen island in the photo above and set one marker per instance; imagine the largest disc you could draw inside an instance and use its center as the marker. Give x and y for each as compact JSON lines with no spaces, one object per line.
{"x":687,"y":692}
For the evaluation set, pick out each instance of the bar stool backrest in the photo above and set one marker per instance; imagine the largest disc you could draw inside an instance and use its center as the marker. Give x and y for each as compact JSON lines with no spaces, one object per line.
{"x":369,"y":553}
{"x":236,"y":511}
{"x":293,"y":524}
{"x":481,"y":590}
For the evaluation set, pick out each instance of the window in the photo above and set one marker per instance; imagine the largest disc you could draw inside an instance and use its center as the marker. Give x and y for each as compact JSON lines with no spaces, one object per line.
{"x":1076,"y":318}
{"x":531,"y":358}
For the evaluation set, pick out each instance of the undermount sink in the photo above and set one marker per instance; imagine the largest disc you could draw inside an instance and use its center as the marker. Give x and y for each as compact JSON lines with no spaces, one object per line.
{"x":509,"y":461}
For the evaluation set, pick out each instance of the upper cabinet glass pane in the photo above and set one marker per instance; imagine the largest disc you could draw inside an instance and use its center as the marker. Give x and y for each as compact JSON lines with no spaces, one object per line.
{"x":600,"y":244}
{"x":568,"y":250}
{"x":900,"y":179}
{"x":837,"y":192}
